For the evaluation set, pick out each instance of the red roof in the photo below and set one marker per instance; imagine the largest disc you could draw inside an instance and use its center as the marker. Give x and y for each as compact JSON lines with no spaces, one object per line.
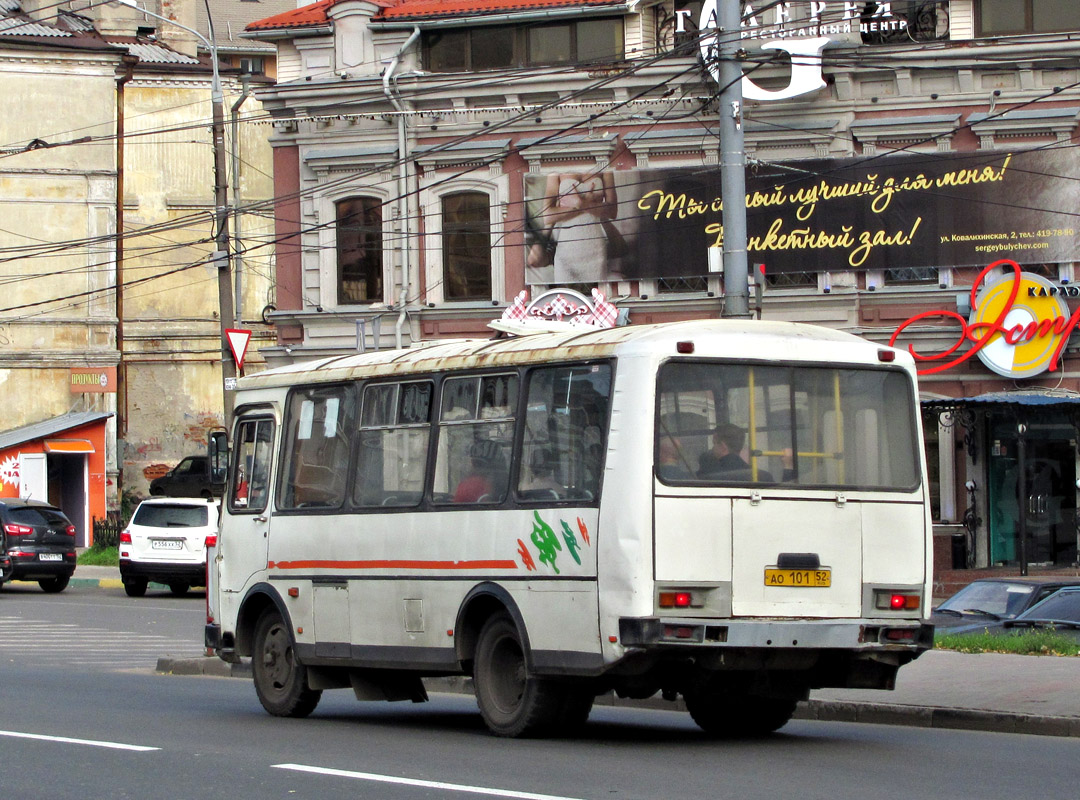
{"x":426,"y":9}
{"x":304,"y":17}
{"x":316,"y":14}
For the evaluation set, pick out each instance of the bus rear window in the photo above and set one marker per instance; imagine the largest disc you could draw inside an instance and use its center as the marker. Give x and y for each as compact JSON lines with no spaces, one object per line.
{"x":809,"y":426}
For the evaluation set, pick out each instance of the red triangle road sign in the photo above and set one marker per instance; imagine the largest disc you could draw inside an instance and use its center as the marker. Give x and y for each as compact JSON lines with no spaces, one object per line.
{"x":238,"y":342}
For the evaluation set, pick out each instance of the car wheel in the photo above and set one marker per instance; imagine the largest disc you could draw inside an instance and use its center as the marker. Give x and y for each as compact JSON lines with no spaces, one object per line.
{"x":54,"y":585}
{"x":513,"y":702}
{"x":280,"y":679}
{"x":179,"y":588}
{"x":737,"y":714}
{"x":135,"y":587}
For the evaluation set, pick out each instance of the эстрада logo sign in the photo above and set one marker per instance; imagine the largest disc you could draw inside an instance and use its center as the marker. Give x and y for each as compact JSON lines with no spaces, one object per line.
{"x":1018,"y":327}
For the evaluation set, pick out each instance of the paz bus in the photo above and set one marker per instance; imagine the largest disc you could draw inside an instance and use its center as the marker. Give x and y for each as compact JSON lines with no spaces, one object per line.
{"x":733,"y":512}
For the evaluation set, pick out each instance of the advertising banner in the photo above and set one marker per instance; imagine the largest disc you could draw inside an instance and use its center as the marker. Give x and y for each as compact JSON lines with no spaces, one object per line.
{"x":884,"y":212}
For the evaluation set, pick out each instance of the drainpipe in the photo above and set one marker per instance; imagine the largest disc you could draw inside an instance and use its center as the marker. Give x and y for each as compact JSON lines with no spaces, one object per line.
{"x":403,"y":185}
{"x":238,"y":251}
{"x":127,"y":63}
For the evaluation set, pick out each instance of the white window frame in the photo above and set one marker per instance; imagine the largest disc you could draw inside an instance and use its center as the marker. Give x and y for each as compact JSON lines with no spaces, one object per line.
{"x":326,"y":204}
{"x":431,"y":197}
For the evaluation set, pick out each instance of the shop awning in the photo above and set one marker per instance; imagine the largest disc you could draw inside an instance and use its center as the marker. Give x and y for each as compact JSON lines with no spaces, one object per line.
{"x":1006,"y":400}
{"x":68,"y":446}
{"x":56,"y":426}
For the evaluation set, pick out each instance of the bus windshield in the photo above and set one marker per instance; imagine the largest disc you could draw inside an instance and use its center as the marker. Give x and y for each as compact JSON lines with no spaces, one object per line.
{"x":805,"y":425}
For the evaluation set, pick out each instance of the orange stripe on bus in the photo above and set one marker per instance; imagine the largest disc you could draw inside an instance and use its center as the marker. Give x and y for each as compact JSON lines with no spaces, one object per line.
{"x":392,"y":564}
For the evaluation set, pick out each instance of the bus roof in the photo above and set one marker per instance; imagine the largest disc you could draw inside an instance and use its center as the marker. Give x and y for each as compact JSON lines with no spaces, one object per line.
{"x":712,"y":337}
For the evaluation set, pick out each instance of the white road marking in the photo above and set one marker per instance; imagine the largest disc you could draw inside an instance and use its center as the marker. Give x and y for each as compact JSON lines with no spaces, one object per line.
{"x":450,"y":787}
{"x":88,"y":742}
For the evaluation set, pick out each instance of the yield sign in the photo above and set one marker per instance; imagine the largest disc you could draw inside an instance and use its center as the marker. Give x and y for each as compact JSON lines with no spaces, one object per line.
{"x":238,"y":342}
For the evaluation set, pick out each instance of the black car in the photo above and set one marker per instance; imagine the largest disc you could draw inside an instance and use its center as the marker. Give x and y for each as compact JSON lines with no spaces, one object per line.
{"x":991,"y":600}
{"x":192,"y":477}
{"x":1059,"y":612}
{"x":38,"y":542}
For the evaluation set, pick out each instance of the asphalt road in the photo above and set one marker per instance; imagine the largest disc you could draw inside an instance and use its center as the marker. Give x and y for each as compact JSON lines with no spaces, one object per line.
{"x":119,"y":730}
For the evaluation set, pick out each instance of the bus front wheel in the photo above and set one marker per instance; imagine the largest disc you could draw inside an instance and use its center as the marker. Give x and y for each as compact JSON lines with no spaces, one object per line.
{"x":730,"y":714}
{"x":280,"y":679}
{"x":513,"y":702}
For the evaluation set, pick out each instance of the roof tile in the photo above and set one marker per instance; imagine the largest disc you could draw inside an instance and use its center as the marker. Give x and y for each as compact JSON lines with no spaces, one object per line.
{"x":401,"y":10}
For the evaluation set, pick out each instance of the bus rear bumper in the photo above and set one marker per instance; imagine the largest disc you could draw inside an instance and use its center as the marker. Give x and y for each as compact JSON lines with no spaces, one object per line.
{"x":880,"y":635}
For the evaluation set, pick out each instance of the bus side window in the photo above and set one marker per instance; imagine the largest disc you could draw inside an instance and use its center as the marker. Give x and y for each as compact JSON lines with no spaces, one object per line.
{"x":395,"y":427}
{"x":476,"y":434}
{"x":563,"y":445}
{"x":317,"y":448}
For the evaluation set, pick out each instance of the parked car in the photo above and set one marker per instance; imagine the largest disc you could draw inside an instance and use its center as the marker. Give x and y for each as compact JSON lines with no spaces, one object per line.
{"x":1059,"y":612}
{"x":166,"y":542}
{"x":990,"y":600}
{"x":38,"y":542}
{"x":192,"y":477}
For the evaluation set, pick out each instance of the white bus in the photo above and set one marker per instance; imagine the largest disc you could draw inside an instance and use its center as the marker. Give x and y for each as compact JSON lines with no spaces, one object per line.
{"x":734,"y":512}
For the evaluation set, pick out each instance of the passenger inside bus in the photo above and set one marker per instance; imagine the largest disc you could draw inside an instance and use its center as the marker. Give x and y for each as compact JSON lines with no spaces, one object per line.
{"x":541,"y":482}
{"x":725,"y":459}
{"x":672,"y":464}
{"x":486,"y":481}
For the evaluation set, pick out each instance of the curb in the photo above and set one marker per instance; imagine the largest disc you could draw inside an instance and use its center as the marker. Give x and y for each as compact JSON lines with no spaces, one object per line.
{"x":103,"y":583}
{"x":817,"y":710}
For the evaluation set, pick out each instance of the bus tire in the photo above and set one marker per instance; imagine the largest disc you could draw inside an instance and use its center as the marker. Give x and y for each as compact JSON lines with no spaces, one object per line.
{"x":512,"y":702}
{"x":731,"y":715}
{"x":576,"y":706}
{"x":280,"y":679}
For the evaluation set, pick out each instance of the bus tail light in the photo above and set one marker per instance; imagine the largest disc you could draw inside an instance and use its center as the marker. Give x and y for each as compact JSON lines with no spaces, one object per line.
{"x":899,"y":634}
{"x":683,"y":633}
{"x":677,"y":599}
{"x":897,"y":601}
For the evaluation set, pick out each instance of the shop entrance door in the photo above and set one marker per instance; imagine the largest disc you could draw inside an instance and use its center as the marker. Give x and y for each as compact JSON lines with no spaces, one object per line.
{"x":1049,"y":492}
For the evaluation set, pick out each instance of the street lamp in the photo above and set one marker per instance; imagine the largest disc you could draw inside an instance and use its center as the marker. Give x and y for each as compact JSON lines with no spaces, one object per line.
{"x":221,"y":211}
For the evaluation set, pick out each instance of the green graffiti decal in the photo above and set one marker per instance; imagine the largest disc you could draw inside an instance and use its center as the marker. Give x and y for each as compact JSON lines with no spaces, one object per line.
{"x":546,"y":542}
{"x":571,"y":541}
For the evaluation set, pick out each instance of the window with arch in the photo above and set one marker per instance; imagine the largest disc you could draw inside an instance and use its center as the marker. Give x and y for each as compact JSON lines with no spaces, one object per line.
{"x":359,"y":250}
{"x":466,"y":246}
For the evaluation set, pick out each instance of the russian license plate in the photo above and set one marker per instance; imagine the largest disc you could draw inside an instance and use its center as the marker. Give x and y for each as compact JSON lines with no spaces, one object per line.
{"x":50,"y":557}
{"x":166,"y":544}
{"x":800,"y":578}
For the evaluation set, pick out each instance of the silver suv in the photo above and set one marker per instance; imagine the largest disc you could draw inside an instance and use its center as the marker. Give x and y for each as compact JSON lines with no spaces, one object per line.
{"x":166,"y":542}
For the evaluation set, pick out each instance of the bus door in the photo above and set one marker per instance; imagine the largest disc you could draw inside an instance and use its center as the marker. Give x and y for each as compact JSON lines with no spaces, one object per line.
{"x":247,"y":527}
{"x":796,"y":557}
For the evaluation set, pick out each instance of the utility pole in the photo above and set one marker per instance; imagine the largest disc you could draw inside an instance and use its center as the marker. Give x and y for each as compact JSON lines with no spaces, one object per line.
{"x":221,"y":211}
{"x":732,"y":159}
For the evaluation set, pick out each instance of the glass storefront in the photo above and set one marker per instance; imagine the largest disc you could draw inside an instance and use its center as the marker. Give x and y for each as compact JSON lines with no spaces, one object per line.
{"x":1047,"y":493}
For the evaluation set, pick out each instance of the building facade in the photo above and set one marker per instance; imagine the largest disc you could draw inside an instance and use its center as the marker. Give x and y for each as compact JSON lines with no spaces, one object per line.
{"x":107,"y":129}
{"x":433,"y":160}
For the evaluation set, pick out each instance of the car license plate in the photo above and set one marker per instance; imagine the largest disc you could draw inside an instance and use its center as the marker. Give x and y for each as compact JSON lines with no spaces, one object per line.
{"x":50,"y":557}
{"x":166,"y":544}
{"x":799,"y":578}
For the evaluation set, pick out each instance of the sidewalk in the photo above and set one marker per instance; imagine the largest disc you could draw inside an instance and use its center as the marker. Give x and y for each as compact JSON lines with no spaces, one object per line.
{"x":941,"y":689}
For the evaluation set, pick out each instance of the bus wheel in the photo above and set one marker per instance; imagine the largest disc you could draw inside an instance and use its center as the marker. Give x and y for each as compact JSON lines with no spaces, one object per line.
{"x":738,"y":715}
{"x":280,"y":680}
{"x":512,"y":702}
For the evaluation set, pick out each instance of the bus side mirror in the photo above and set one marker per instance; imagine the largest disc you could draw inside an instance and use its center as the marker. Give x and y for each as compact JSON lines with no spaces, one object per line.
{"x":218,"y":451}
